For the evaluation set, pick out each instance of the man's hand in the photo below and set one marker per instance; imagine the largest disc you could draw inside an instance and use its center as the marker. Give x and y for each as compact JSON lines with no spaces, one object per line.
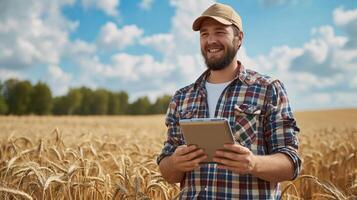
{"x":187,"y":158}
{"x":236,"y":158}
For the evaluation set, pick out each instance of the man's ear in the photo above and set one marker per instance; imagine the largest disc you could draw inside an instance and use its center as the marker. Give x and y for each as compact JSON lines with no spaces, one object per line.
{"x":240,"y":39}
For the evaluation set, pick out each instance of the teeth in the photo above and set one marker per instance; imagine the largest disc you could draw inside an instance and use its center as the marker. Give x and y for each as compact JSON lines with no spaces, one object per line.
{"x":213,"y":50}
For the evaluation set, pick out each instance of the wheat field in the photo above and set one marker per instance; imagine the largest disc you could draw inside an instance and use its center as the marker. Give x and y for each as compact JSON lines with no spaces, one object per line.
{"x":114,"y":157}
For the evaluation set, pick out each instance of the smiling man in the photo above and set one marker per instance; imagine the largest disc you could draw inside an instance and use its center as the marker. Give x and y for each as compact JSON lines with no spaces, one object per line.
{"x":257,"y":108}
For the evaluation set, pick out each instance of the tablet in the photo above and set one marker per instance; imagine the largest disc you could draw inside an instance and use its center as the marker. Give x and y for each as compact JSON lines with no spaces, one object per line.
{"x":209,"y":134}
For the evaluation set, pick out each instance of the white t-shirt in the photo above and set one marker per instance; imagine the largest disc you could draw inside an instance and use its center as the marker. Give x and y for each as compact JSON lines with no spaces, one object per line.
{"x":214,"y":91}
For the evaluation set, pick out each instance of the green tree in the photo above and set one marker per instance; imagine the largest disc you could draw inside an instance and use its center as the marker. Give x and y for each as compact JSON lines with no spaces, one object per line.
{"x":118,"y":103}
{"x":41,"y":99}
{"x":6,"y":89}
{"x":3,"y":106}
{"x":69,"y":104}
{"x":124,"y":102}
{"x":60,"y":105}
{"x":99,"y":104}
{"x":18,"y":96}
{"x":85,"y":107}
{"x":113,"y":103}
{"x":160,"y":105}
{"x":140,"y":107}
{"x":73,"y":101}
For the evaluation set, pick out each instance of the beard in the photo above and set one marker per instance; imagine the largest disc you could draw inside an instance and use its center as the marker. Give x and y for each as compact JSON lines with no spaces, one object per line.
{"x":222,"y":62}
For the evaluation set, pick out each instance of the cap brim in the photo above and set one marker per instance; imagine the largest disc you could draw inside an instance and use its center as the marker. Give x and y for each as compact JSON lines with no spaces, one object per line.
{"x":196,"y":26}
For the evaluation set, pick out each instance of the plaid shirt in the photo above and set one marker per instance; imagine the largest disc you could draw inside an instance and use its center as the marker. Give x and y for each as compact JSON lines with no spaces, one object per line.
{"x":261,"y":119}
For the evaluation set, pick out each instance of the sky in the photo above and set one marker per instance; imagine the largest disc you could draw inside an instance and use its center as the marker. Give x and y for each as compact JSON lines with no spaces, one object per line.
{"x":148,"y":48}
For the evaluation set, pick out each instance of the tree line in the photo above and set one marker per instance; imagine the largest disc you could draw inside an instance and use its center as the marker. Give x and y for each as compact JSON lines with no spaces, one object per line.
{"x":20,"y":97}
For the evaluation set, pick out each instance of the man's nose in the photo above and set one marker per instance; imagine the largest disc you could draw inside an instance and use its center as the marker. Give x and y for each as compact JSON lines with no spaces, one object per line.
{"x":211,"y":39}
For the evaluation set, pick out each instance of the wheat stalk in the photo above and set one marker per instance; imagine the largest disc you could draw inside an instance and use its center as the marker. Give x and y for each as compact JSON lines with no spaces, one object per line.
{"x":16,"y":192}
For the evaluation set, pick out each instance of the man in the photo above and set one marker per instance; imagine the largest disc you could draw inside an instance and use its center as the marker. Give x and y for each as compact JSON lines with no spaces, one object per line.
{"x":257,"y":107}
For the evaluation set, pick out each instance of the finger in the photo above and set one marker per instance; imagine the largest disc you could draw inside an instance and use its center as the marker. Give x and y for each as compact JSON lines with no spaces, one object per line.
{"x":236,"y":148}
{"x":180,"y":149}
{"x":242,"y":158}
{"x":226,"y":162}
{"x":202,"y":158}
{"x":194,"y":163}
{"x":227,"y":154}
{"x":184,"y":149}
{"x":193,"y":155}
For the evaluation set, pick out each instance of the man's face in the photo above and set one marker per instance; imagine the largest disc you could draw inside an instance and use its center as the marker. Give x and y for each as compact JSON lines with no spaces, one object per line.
{"x":218,"y":44}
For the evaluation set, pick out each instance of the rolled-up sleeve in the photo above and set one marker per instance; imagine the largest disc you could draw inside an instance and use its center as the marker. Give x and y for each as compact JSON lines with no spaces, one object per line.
{"x":280,"y":127}
{"x":174,"y":136}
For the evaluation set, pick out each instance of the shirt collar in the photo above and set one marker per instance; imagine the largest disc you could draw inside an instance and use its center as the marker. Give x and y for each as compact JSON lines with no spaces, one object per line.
{"x":240,"y":76}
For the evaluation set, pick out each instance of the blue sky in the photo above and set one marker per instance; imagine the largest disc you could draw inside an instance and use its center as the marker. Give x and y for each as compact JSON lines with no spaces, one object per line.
{"x":147,"y":47}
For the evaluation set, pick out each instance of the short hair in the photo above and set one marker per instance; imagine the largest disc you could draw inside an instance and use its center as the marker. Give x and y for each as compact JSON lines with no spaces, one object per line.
{"x":235,"y":30}
{"x":236,"y":33}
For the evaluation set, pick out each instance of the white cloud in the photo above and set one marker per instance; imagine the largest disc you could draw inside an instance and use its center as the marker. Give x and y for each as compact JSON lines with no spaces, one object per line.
{"x":345,"y":99}
{"x":243,"y":57}
{"x":146,"y":4}
{"x":181,"y":61}
{"x":126,"y":67}
{"x":186,"y":12}
{"x":190,"y":66}
{"x":152,"y":94}
{"x":345,"y":59}
{"x":161,"y":42}
{"x":80,"y":48}
{"x":347,"y":21}
{"x":308,"y":82}
{"x":278,"y":60}
{"x":139,"y":75}
{"x":319,"y":53}
{"x":324,"y":42}
{"x":58,"y":79}
{"x":321,"y":98}
{"x":33,"y":34}
{"x":6,"y":74}
{"x":344,"y":17}
{"x":186,"y":52}
{"x":327,"y":34}
{"x":110,"y":7}
{"x":28,"y":38}
{"x":110,"y":37}
{"x":134,"y":68}
{"x":36,"y":33}
{"x":314,"y":72}
{"x":354,"y":82}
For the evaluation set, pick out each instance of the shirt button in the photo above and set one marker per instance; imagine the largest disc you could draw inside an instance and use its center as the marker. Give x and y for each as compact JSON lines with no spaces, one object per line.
{"x":206,"y":188}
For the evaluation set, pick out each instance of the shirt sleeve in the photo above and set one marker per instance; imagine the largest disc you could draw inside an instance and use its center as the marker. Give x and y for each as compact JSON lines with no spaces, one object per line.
{"x":174,"y":136}
{"x":280,"y":126}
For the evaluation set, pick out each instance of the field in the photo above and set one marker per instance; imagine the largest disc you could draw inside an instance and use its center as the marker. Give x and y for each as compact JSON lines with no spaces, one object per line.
{"x":114,"y":157}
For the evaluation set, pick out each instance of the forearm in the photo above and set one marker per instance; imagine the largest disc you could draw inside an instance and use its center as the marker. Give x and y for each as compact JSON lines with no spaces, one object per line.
{"x":274,"y":168}
{"x":168,"y":171}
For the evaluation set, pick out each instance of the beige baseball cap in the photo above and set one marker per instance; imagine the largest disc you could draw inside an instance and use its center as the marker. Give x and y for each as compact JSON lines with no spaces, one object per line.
{"x":222,"y":13}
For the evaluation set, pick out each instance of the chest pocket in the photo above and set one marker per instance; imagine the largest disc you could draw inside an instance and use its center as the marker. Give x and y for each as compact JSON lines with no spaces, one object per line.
{"x":247,"y":119}
{"x":189,"y":113}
